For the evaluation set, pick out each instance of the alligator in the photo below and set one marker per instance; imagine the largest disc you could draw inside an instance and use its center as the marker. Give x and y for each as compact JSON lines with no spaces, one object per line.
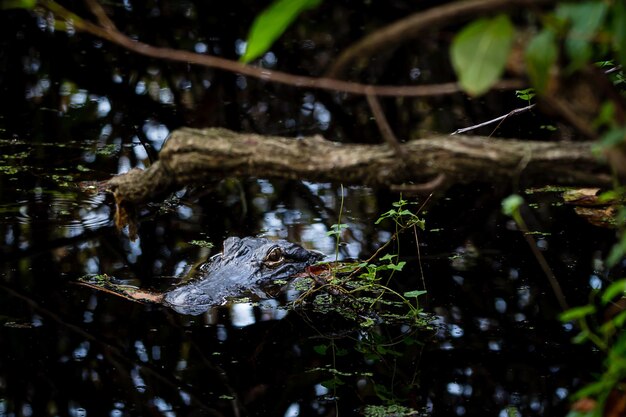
{"x":247,"y":267}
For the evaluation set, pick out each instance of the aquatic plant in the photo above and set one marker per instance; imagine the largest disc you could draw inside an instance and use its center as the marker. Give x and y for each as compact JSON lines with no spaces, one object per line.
{"x":361,"y":291}
{"x":607,"y":332}
{"x":362,"y":295}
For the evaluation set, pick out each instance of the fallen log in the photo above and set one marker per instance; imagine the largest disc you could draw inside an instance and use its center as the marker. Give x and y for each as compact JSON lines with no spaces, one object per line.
{"x":197,"y":156}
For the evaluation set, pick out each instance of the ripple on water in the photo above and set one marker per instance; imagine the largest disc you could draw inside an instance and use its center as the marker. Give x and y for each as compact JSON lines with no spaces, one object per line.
{"x":70,"y":212}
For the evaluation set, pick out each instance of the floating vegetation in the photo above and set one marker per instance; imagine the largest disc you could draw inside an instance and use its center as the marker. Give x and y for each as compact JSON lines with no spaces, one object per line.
{"x":393,"y":410}
{"x":202,"y":243}
{"x":9,"y":169}
{"x":360,"y":298}
{"x":107,"y":150}
{"x":548,"y":189}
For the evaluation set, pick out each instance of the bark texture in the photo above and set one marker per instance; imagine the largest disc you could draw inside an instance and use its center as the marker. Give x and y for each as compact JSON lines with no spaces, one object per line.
{"x":196,"y":156}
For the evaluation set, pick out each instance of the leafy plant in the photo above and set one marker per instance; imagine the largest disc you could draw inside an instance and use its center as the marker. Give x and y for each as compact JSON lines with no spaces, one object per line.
{"x":360,"y":292}
{"x":526,"y":94}
{"x":609,"y":337}
{"x":480,"y":50}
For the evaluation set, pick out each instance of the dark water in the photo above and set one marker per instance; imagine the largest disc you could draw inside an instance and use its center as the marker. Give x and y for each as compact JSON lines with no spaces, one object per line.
{"x":75,"y":109}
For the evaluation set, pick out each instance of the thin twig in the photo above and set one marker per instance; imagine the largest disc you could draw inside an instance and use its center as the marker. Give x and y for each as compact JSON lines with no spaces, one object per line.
{"x":301,"y":81}
{"x":383,"y":125}
{"x":522,"y":110}
{"x":391,"y":239}
{"x":543,"y":263}
{"x":417,"y":242}
{"x":419,"y":256}
{"x":545,"y":267}
{"x":100,"y":14}
{"x":613,"y":69}
{"x":497,"y":119}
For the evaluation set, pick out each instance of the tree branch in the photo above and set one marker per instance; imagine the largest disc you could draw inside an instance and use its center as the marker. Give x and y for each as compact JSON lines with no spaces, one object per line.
{"x":197,"y":156}
{"x":383,"y":125}
{"x":411,"y":26}
{"x":108,"y":32}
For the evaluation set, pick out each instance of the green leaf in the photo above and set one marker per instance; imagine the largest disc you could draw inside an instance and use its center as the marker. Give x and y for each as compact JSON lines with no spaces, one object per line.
{"x":388,"y":257}
{"x":577,"y":313}
{"x":414,"y":294}
{"x":336,"y":229}
{"x":581,"y":337}
{"x":526,"y":94}
{"x":396,"y":267}
{"x":619,"y":30}
{"x":368,"y":322}
{"x":541,"y":55}
{"x":511,"y":204}
{"x":271,"y":23}
{"x":613,"y":290}
{"x":595,"y":388}
{"x":479,"y":53}
{"x":320,"y":349}
{"x":420,"y":223}
{"x":17,"y":4}
{"x":613,"y":137}
{"x":400,"y":203}
{"x":585,"y":19}
{"x":618,"y":251}
{"x":386,"y":215}
{"x":341,"y":352}
{"x":606,"y":116}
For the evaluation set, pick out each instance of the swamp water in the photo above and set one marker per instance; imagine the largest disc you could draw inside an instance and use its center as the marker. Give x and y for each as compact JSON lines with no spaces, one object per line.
{"x":493,"y":346}
{"x":75,"y":110}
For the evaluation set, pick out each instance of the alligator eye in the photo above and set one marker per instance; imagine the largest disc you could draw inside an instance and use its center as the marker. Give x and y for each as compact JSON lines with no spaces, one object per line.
{"x":274,"y":258}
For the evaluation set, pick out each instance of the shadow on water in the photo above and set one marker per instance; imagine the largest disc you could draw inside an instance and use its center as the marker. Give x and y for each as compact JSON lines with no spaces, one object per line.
{"x":495,"y":347}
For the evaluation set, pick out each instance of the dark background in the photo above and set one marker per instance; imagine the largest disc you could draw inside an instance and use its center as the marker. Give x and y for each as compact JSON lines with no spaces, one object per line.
{"x":74,"y":109}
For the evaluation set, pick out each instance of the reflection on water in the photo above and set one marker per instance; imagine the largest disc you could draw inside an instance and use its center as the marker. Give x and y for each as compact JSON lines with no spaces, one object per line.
{"x":71,"y":214}
{"x":246,"y":314}
{"x":495,"y":348}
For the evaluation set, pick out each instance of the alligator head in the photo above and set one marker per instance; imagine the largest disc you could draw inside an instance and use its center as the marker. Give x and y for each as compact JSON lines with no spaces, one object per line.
{"x":245,"y":267}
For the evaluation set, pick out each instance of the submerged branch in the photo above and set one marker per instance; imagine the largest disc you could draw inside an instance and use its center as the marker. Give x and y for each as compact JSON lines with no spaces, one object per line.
{"x":198,"y":156}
